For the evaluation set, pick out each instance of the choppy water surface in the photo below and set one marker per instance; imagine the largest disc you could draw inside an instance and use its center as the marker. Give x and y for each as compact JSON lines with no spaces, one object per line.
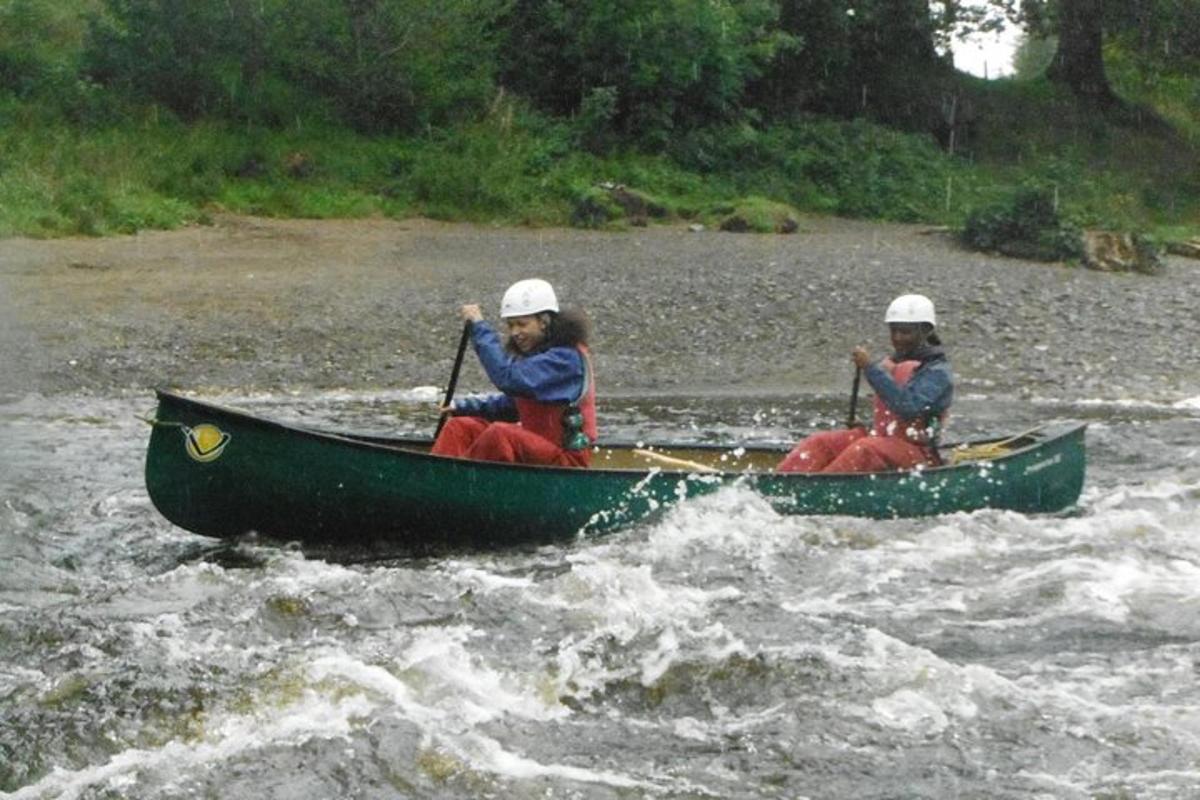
{"x":720,"y":651}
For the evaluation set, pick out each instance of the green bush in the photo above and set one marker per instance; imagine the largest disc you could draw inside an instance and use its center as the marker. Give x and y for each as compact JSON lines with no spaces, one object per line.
{"x":595,"y":208}
{"x":1028,"y":227}
{"x":852,"y":168}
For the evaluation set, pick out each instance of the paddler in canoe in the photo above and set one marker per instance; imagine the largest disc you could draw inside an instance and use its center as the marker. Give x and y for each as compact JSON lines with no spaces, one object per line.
{"x":546,"y":411}
{"x":913,"y":391}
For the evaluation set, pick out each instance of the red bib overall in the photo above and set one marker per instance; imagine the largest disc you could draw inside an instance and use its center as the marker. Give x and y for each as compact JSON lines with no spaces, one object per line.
{"x":537,"y":438}
{"x":891,"y":444}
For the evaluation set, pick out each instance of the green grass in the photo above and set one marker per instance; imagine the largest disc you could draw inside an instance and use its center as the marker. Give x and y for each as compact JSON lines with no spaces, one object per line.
{"x":517,"y":167}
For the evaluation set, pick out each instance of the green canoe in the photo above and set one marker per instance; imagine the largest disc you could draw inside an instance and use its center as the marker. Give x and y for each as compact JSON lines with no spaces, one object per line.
{"x":223,"y":473}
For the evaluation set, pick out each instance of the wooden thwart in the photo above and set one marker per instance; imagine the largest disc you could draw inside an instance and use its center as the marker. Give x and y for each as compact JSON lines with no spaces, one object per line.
{"x":674,"y":463}
{"x":984,"y":451}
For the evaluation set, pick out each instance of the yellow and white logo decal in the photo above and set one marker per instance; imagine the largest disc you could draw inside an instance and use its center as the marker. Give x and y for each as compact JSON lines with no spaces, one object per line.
{"x":205,"y":442}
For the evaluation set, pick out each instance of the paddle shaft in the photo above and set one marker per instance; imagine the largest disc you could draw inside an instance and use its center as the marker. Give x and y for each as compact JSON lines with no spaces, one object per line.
{"x":458,"y":359}
{"x":851,"y":419}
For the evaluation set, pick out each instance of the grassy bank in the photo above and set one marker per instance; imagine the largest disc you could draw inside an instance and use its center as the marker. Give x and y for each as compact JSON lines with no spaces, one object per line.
{"x":515,"y":167}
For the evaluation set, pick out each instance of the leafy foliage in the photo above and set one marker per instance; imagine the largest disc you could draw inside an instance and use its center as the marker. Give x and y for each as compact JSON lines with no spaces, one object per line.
{"x":869,"y":57}
{"x":1028,"y":227}
{"x":653,"y":66}
{"x":399,"y":65}
{"x":376,"y":65}
{"x":39,"y":46}
{"x":850,"y":168}
{"x":193,"y":58}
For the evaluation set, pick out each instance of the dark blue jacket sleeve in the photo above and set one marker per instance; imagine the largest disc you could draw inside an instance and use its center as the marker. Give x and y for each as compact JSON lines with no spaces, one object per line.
{"x":551,"y":376}
{"x":928,"y":392}
{"x":492,"y":406}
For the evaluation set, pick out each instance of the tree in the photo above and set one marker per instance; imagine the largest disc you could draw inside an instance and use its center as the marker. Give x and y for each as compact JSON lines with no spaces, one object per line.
{"x":875,"y":58}
{"x":193,"y":58}
{"x":391,"y":65}
{"x":39,"y":46}
{"x":1166,"y":32}
{"x":1079,"y":61}
{"x":1081,"y":28}
{"x":378,"y":65}
{"x":646,"y":68}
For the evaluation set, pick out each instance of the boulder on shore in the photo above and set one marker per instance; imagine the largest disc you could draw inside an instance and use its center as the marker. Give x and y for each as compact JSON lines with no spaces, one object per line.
{"x":1110,"y":251}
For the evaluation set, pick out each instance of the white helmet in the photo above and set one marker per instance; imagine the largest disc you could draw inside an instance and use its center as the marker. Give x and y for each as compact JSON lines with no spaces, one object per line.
{"x":531,"y":296}
{"x":911,"y":308}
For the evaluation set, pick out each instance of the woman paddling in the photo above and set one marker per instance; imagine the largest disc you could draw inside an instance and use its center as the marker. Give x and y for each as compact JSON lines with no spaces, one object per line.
{"x":913,"y":390}
{"x":546,"y":413}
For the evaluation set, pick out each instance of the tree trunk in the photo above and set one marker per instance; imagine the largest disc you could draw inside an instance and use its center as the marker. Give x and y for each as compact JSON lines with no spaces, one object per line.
{"x":1079,"y":61}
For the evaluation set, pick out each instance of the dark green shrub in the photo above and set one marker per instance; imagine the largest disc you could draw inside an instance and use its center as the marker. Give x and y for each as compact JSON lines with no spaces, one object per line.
{"x":594,"y":208}
{"x":1028,"y":227}
{"x":853,"y":168}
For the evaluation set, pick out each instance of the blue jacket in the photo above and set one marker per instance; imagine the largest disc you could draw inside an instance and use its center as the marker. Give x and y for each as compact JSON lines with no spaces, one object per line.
{"x":554,"y":375}
{"x":927,"y":394}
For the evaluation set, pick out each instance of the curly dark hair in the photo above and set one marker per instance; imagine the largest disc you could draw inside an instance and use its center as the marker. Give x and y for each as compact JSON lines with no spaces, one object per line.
{"x":569,"y":328}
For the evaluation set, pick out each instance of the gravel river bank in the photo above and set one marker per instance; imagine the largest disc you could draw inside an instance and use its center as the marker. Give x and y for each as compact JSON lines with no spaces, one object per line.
{"x":255,"y":304}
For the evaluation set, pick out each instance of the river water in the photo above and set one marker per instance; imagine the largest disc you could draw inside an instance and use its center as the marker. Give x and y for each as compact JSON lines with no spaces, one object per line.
{"x":718,"y":651}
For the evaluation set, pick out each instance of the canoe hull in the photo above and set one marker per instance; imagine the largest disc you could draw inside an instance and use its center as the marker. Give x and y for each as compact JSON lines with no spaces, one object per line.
{"x":292,"y":484}
{"x":223,"y":473}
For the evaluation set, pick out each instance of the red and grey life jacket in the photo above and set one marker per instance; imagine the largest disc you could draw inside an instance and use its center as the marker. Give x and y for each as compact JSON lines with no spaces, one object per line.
{"x":571,"y":426}
{"x":922,"y":430}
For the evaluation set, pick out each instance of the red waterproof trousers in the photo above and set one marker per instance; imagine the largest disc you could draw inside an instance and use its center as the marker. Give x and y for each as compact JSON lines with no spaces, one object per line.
{"x":478,"y":439}
{"x":854,"y":450}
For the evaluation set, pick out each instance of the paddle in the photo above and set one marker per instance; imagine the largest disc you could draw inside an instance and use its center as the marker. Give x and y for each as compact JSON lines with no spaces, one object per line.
{"x":851,"y":420}
{"x":458,"y":359}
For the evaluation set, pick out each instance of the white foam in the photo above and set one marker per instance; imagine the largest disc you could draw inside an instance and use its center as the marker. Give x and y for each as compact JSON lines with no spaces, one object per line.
{"x":312,"y":716}
{"x":733,"y":520}
{"x":13,"y":677}
{"x":1162,"y":596}
{"x":483,"y":581}
{"x":1175,"y":492}
{"x":614,"y":605}
{"x":486,"y":753}
{"x":903,"y":686}
{"x":454,"y":697}
{"x":911,"y":711}
{"x":1127,"y":403}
